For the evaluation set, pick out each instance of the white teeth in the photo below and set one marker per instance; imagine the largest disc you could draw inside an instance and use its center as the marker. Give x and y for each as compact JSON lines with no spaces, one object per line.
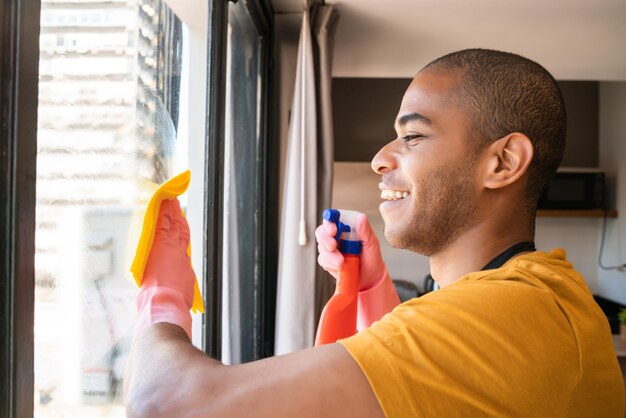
{"x":393,"y":194}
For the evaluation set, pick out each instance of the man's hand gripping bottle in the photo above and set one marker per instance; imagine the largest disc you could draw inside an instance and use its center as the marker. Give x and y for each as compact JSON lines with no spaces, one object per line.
{"x":338,"y":319}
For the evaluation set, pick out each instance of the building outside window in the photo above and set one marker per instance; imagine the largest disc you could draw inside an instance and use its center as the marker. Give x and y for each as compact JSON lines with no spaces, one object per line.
{"x":109,"y":113}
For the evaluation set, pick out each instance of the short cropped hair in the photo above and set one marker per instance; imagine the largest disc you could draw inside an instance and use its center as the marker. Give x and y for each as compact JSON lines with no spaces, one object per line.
{"x":505,"y":93}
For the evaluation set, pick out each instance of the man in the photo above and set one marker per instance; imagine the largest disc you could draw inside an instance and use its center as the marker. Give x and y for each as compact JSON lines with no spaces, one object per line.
{"x":511,"y":332}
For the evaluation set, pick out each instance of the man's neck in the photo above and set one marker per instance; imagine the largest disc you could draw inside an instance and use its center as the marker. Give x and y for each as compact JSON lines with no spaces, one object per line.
{"x":472,"y":251}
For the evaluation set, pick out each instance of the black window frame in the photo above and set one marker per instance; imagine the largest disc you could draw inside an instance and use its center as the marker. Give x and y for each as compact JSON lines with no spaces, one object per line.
{"x":267,"y":185}
{"x":18,"y":158}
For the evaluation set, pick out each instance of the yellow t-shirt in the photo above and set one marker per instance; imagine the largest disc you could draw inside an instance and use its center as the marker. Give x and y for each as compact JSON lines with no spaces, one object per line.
{"x":524,"y":340}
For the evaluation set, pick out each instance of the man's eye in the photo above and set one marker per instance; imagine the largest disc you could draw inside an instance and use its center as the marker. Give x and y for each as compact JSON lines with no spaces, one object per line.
{"x":412,"y":137}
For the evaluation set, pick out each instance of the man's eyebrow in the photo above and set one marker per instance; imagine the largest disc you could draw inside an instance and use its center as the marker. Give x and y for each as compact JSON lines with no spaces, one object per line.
{"x":409,"y":117}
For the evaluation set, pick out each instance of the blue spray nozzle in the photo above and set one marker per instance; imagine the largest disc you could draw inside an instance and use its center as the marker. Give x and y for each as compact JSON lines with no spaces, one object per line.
{"x":346,"y":246}
{"x":331,"y":215}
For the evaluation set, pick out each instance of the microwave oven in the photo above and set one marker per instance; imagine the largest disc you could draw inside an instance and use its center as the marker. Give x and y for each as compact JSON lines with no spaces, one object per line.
{"x":575,"y":189}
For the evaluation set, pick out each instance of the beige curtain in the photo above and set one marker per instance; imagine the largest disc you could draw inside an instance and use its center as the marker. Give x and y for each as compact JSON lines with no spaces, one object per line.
{"x":307,"y":185}
{"x":324,"y":20}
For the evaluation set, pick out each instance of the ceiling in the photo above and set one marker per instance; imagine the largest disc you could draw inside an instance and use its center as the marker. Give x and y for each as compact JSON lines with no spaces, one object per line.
{"x":573,"y":39}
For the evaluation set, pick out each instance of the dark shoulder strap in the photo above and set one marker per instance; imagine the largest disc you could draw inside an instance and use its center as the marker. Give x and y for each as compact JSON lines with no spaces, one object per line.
{"x":507,"y":254}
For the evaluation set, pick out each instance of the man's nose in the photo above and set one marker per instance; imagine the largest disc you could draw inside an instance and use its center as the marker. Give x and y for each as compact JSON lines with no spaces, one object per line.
{"x":384,"y":160}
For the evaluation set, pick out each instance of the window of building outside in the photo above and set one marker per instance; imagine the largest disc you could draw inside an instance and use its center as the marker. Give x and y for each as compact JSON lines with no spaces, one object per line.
{"x":114,"y":123}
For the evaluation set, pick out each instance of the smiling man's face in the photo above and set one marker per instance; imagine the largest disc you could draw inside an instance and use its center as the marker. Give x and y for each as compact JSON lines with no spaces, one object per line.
{"x":428,"y":171}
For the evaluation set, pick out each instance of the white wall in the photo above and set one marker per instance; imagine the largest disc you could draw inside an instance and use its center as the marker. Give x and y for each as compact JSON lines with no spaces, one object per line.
{"x":574,"y":40}
{"x":612,"y":284}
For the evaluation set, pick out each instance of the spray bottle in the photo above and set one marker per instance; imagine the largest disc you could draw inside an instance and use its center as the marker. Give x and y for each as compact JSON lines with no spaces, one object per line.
{"x":338,"y":319}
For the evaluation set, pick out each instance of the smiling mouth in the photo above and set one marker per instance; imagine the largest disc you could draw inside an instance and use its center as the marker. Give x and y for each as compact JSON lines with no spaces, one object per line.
{"x":393,"y":194}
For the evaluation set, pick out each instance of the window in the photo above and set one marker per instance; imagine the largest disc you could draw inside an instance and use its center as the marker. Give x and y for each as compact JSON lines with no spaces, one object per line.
{"x":130,"y":92}
{"x":109,"y":115}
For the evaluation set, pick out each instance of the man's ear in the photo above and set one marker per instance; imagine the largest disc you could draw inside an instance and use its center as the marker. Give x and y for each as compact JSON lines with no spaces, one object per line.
{"x":507,"y":160}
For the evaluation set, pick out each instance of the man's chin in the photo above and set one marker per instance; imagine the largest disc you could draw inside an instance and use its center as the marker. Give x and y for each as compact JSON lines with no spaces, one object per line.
{"x":396,"y":239}
{"x":401,"y":241}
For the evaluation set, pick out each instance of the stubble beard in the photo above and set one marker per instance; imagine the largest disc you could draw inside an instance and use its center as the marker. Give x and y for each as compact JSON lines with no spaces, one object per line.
{"x":445,"y":209}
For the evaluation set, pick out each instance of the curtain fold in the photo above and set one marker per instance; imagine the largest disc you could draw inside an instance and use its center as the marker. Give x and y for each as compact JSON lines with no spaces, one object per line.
{"x":307,"y":185}
{"x":324,"y":20}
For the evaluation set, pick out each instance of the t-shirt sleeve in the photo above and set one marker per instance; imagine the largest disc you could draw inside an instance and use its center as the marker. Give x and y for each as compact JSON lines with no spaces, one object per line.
{"x":472,"y":349}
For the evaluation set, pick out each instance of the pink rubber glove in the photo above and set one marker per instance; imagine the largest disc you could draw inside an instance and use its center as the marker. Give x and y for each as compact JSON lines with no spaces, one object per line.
{"x":166,"y":292}
{"x":377,"y":294}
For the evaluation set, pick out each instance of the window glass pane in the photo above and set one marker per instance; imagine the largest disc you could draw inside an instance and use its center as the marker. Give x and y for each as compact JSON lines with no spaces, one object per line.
{"x":109,"y":111}
{"x":241,"y":189}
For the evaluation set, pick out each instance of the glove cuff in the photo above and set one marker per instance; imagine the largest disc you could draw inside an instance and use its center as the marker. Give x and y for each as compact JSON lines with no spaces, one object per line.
{"x":376,"y":301}
{"x":161,"y":304}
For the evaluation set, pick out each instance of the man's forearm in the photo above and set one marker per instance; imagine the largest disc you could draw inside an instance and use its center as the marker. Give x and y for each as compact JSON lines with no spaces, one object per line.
{"x":157,"y":381}
{"x":168,"y":377}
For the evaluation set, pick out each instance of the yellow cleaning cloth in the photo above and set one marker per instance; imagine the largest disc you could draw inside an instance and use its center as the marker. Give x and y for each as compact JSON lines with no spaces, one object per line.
{"x":171,"y":189}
